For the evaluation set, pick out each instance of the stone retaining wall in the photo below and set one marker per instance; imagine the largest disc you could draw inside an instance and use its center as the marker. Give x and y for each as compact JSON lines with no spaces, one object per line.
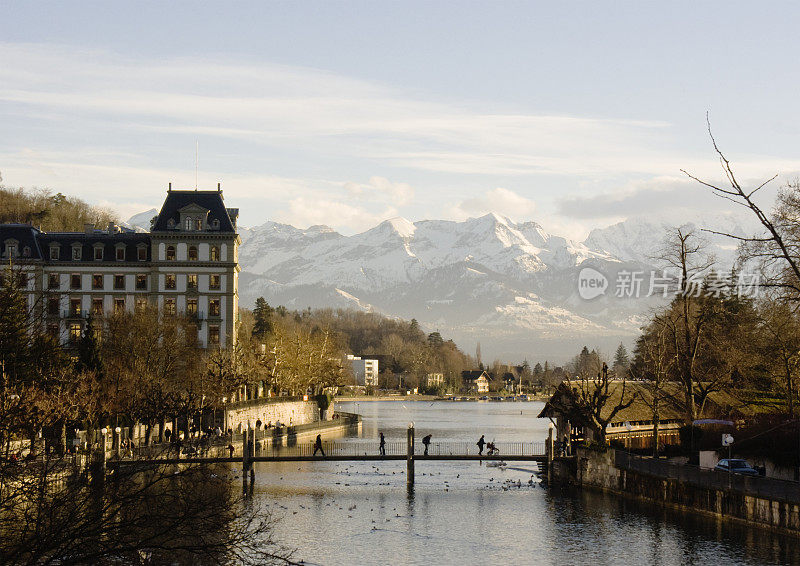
{"x":289,"y":413}
{"x":753,"y":500}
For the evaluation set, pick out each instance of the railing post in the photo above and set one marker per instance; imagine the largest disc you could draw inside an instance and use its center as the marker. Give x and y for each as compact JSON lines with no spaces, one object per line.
{"x":245,"y":456}
{"x":550,"y":449}
{"x":410,"y":456}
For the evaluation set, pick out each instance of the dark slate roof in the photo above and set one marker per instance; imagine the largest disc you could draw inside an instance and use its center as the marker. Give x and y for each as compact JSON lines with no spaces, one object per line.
{"x":88,"y":241}
{"x":25,"y":234}
{"x":472,"y":375}
{"x":210,"y":200}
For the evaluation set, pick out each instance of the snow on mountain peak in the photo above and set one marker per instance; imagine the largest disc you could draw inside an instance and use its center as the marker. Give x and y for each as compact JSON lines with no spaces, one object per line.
{"x":404,"y":228}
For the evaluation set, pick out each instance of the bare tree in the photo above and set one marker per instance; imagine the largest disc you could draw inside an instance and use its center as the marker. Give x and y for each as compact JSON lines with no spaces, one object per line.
{"x":598,"y":402}
{"x":778,"y":250}
{"x":192,"y":514}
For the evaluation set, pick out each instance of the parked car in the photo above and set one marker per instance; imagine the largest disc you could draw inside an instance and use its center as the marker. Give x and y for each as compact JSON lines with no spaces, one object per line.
{"x":736,"y":466}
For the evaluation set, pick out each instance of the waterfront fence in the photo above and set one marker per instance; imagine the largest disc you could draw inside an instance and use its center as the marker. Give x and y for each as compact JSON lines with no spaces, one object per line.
{"x":345,"y":448}
{"x":756,"y":486}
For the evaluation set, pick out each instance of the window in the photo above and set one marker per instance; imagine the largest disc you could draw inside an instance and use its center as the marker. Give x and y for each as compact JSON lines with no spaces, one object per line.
{"x":11,"y":250}
{"x":74,"y":307}
{"x":53,"y":304}
{"x":213,"y":307}
{"x":192,"y":253}
{"x":55,"y":253}
{"x":52,"y":330}
{"x":75,"y":281}
{"x":76,"y":252}
{"x":215,"y":224}
{"x":119,"y":282}
{"x":97,"y":281}
{"x":191,"y":307}
{"x":213,"y":281}
{"x":213,"y":335}
{"x":22,"y":280}
{"x":26,"y":251}
{"x":53,"y":281}
{"x":169,"y":281}
{"x":141,"y":253}
{"x":170,"y":253}
{"x":97,"y":306}
{"x":75,"y":331}
{"x":214,"y":253}
{"x":98,"y":253}
{"x":119,"y":305}
{"x":169,"y":306}
{"x":191,"y":282}
{"x":189,"y":223}
{"x":141,"y":304}
{"x":121,"y":253}
{"x":141,"y":281}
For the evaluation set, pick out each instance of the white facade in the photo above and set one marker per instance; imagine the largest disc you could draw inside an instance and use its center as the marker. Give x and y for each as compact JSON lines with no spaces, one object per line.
{"x":365,"y":370}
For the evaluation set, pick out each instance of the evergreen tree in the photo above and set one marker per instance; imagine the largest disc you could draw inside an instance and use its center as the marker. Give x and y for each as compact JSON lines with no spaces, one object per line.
{"x":621,"y":358}
{"x":89,"y":357}
{"x":263,"y":318}
{"x":435,"y":339}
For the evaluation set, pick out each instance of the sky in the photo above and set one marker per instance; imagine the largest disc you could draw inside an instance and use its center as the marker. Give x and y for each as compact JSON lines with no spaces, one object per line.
{"x":575,"y":115}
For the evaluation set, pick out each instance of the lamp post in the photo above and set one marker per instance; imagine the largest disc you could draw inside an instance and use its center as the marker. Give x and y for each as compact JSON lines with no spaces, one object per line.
{"x":117,"y":440}
{"x":104,"y":432}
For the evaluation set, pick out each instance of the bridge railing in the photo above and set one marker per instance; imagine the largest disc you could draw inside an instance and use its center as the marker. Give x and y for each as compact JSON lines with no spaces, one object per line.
{"x":399,"y":448}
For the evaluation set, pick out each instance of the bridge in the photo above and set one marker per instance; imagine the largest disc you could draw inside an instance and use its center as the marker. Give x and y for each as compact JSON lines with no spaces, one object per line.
{"x":349,"y":451}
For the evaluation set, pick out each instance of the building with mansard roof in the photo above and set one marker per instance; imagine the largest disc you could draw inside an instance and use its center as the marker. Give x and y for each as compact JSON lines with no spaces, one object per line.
{"x":187,"y":264}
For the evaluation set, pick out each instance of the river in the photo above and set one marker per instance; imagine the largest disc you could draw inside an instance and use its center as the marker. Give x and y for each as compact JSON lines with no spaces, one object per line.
{"x":360,"y":513}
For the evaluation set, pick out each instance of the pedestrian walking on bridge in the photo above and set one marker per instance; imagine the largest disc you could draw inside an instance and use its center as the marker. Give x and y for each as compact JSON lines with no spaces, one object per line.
{"x":318,"y":446}
{"x":382,"y":447}
{"x":426,"y":441}
{"x":481,"y":442}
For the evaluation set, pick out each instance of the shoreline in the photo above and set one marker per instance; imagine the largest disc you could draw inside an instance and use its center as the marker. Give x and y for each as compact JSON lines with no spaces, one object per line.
{"x":467,"y":398}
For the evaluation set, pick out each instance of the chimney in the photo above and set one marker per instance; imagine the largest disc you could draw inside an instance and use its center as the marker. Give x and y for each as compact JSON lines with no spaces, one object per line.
{"x":112,"y":228}
{"x":219,"y":187}
{"x":88,"y":228}
{"x":169,"y":188}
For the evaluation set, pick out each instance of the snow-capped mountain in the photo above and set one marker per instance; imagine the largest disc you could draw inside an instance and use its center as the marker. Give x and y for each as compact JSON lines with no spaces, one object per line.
{"x":513,"y":287}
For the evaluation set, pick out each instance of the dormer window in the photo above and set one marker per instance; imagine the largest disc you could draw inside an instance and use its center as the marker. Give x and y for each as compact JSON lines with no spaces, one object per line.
{"x":26,"y":251}
{"x":215,"y":224}
{"x":120,"y":252}
{"x":141,"y":252}
{"x":11,"y":249}
{"x":170,"y":223}
{"x":76,"y":252}
{"x":55,"y":253}
{"x":98,"y":252}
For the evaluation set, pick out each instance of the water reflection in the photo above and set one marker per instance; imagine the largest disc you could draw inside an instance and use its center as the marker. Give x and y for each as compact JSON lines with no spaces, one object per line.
{"x":466,"y":513}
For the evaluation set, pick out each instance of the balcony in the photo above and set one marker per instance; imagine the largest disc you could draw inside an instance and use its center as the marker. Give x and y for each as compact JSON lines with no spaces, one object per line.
{"x":75,"y":314}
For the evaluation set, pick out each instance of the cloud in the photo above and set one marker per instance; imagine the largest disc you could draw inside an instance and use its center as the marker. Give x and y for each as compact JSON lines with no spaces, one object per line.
{"x":314,"y":112}
{"x":668,"y":197}
{"x":379,"y":188}
{"x":304,"y":212}
{"x":499,"y":200}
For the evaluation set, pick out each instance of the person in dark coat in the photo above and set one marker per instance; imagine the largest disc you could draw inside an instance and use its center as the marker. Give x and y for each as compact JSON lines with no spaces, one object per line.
{"x":481,"y":442}
{"x":382,"y":447}
{"x":426,"y":441}
{"x":318,"y":446}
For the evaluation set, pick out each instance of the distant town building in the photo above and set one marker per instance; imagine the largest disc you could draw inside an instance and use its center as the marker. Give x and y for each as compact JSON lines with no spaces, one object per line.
{"x":476,"y":381}
{"x":365,"y":370}
{"x":186,"y":264}
{"x":434,"y":380}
